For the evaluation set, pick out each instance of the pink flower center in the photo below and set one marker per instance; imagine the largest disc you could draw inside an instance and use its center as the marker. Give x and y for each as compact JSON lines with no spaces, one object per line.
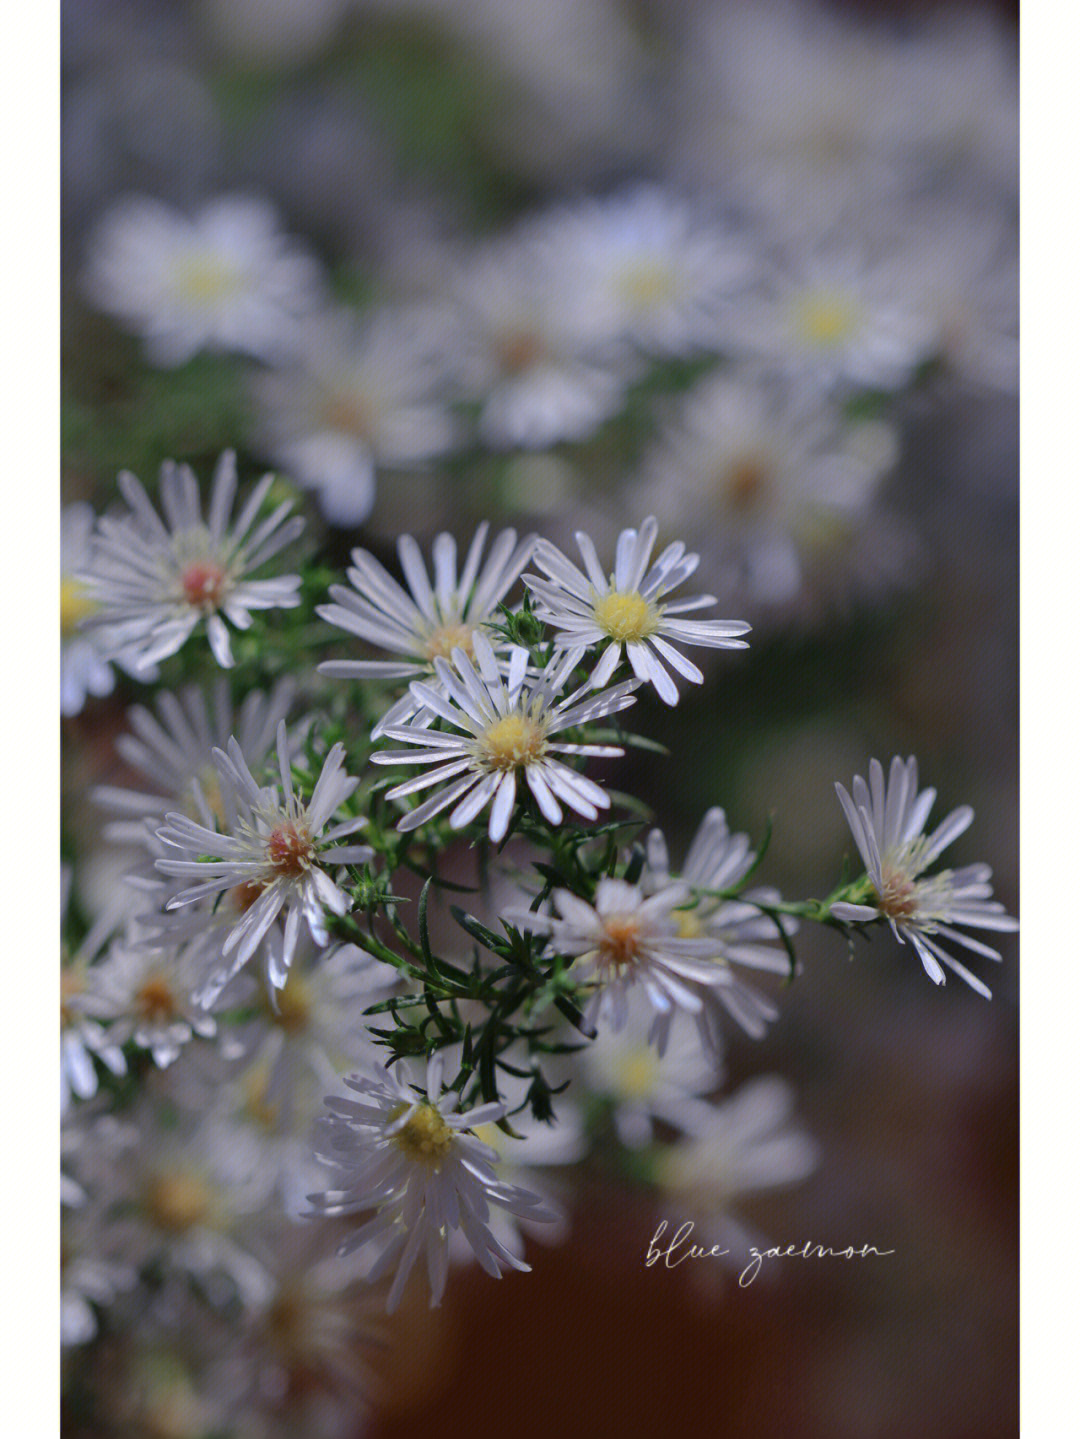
{"x":203,"y":584}
{"x":289,"y":847}
{"x":897,"y":897}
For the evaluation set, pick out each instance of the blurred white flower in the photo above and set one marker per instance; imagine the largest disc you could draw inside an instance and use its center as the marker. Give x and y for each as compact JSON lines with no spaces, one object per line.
{"x":750,"y":1145}
{"x":508,"y":723}
{"x":887,"y":821}
{"x":154,"y":583}
{"x":225,"y":279}
{"x":355,"y":399}
{"x":149,"y":991}
{"x":84,"y":670}
{"x":428,"y":621}
{"x":275,"y":847}
{"x":410,"y":1157}
{"x":84,"y":1009}
{"x":766,"y":472}
{"x":628,"y":609}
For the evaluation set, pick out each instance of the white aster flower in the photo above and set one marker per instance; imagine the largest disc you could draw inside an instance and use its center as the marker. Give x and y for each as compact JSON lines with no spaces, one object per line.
{"x":626,"y":943}
{"x":628,"y":608}
{"x":740,"y":934}
{"x":149,"y":993}
{"x":84,"y":1009}
{"x":175,"y":746}
{"x":659,"y":271}
{"x":274,"y":846}
{"x":84,"y":670}
{"x":887,"y":822}
{"x":156,"y":582}
{"x":428,"y":621}
{"x":840,"y":317}
{"x":750,"y":1144}
{"x":769,"y":471}
{"x":410,"y":1157}
{"x":354,"y":400}
{"x":509,"y":723}
{"x":531,"y":342}
{"x":225,"y":279}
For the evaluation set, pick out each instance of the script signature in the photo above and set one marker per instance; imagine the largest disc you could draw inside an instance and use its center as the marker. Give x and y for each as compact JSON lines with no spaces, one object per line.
{"x":679,"y":1247}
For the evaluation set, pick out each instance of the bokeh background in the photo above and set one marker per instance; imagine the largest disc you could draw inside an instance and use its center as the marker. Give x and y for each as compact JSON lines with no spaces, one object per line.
{"x":395,"y":140}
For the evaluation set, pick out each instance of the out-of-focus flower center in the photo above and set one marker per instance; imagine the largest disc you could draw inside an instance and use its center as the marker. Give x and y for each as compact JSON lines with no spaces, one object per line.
{"x":825,"y":317}
{"x":513,"y":741}
{"x":519,"y":350}
{"x":155,"y":1001}
{"x":289,"y":848}
{"x":637,"y":1072}
{"x":425,"y":1136}
{"x":646,"y":283}
{"x":688,"y":924}
{"x":441,"y":642}
{"x":745,"y":483}
{"x":293,"y":1006}
{"x":203,"y":584}
{"x":897,"y":896}
{"x":205,"y":277}
{"x":72,"y":983}
{"x":626,"y":616}
{"x":176,"y":1202}
{"x":75,"y":605}
{"x":349,"y":413}
{"x":620,"y":941}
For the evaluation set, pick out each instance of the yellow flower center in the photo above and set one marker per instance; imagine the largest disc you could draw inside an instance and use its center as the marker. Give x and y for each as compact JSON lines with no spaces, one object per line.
{"x":447,"y":638}
{"x":72,"y":983}
{"x":626,"y":617}
{"x":637,"y":1072}
{"x":75,"y":605}
{"x":203,"y":277}
{"x":825,"y":317}
{"x":425,"y":1136}
{"x":646,"y":283}
{"x":688,"y":925}
{"x":513,"y":741}
{"x":176,"y":1202}
{"x":294,"y":1006}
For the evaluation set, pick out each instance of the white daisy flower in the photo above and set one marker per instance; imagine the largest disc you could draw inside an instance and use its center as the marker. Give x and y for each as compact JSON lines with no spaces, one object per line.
{"x":430,"y":620}
{"x":887,"y":822}
{"x":412,"y":1159}
{"x":171,"y":748}
{"x":627,"y":943}
{"x":839,"y":317}
{"x":84,"y":670}
{"x":740,"y":934}
{"x":769,"y":472}
{"x":225,"y":279}
{"x":156,"y":582}
{"x":659,"y":272}
{"x":529,"y":351}
{"x":354,"y":400}
{"x":509,"y":723}
{"x":274,"y":846}
{"x":149,"y":993}
{"x":628,"y":609}
{"x":750,"y":1145}
{"x":643,"y":1085}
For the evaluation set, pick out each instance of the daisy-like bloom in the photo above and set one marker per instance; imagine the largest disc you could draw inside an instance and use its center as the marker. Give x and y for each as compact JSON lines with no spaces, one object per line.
{"x":740,"y":934}
{"x":84,"y":670}
{"x":274,"y":846}
{"x":769,"y":471}
{"x":171,"y":748}
{"x":353,"y":401}
{"x":750,"y":1144}
{"x":149,"y":991}
{"x":659,"y":271}
{"x":225,"y":279}
{"x":840,"y":317}
{"x":428,"y":621}
{"x":411,"y":1158}
{"x":887,"y":821}
{"x":155,"y":582}
{"x":533,"y":343}
{"x":628,"y":609}
{"x":644,"y":1085}
{"x":626,"y":943}
{"x":509,"y":723}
